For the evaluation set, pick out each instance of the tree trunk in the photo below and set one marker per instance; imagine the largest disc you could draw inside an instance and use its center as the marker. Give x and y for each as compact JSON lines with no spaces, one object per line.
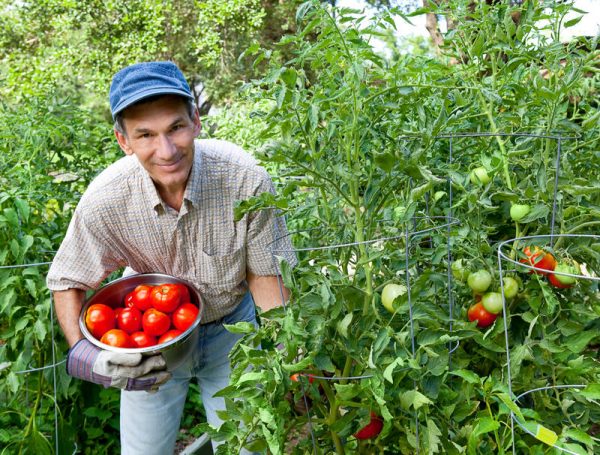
{"x":431,"y":24}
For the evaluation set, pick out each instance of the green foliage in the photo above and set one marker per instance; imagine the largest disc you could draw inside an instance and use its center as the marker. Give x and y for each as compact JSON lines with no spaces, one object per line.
{"x":362,"y":150}
{"x":74,"y":48}
{"x":49,"y":151}
{"x":362,"y":145}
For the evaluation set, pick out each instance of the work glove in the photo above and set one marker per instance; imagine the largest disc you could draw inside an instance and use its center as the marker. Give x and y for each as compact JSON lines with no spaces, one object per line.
{"x":128,"y":371}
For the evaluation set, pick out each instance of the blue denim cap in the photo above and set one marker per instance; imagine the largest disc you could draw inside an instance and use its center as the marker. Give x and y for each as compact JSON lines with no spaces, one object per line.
{"x":142,"y":80}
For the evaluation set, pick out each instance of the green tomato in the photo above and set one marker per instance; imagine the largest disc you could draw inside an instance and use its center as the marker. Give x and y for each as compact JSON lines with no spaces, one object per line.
{"x":479,"y":175}
{"x":563,"y":267}
{"x":390,"y":292}
{"x":459,"y":272}
{"x":511,"y":287}
{"x":479,"y":281}
{"x":492,"y":302}
{"x":518,"y":211}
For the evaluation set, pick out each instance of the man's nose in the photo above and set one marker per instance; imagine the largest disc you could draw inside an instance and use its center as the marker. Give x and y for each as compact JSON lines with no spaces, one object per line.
{"x":165,"y":147}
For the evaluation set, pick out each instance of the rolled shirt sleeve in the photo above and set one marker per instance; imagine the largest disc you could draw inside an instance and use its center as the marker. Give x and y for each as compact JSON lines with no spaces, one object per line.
{"x":268,"y":237}
{"x":84,"y":258}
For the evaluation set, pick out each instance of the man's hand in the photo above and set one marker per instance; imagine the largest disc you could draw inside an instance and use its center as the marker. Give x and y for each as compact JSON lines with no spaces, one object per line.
{"x":126,"y":371}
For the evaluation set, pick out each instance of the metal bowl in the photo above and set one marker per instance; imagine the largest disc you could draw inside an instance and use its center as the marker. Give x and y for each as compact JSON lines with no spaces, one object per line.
{"x":175,"y":351}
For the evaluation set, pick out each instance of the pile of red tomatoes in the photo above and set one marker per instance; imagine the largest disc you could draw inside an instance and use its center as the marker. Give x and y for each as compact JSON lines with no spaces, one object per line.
{"x":148,"y":316}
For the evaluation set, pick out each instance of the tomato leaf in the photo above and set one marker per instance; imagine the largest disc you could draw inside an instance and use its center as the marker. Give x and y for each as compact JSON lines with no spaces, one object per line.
{"x":578,"y":342}
{"x":347,"y":392}
{"x":414,"y":399}
{"x":240,"y":327}
{"x":591,"y":392}
{"x":342,"y":326}
{"x":537,"y":212}
{"x":467,"y":375}
{"x":578,"y":435}
{"x":510,"y":404}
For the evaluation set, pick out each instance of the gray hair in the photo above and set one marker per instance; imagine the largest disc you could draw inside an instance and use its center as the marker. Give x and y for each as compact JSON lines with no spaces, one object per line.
{"x":120,"y":126}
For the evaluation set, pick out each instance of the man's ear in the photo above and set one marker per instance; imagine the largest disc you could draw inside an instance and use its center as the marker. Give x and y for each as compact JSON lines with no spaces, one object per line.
{"x":197,"y":124}
{"x":123,"y":143}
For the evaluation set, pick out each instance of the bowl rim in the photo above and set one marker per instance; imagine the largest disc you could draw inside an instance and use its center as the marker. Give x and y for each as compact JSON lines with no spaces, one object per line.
{"x":150,"y":350}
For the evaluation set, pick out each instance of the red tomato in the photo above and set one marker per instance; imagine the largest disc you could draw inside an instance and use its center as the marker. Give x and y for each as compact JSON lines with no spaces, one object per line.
{"x":117,"y":338}
{"x":141,"y":297}
{"x":370,"y":430}
{"x":117,"y":313}
{"x":99,"y":319}
{"x":142,"y":340}
{"x":129,"y":320}
{"x":169,"y":335}
{"x":129,"y":302}
{"x":155,"y":322}
{"x":184,"y":293}
{"x":478,"y":313}
{"x":296,"y":377}
{"x":538,"y":258}
{"x":184,"y":316}
{"x":166,"y":297}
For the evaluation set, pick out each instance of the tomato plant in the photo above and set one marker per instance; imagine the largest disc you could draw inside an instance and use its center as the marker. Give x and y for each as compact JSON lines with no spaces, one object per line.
{"x":99,"y":319}
{"x":117,"y":338}
{"x":166,"y":297}
{"x":184,"y":316}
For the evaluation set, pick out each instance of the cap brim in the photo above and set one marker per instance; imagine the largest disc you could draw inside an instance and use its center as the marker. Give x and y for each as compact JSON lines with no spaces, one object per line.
{"x":147,"y":94}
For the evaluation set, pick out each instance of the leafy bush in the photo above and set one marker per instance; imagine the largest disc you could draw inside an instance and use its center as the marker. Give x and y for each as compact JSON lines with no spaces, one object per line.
{"x":371,"y":153}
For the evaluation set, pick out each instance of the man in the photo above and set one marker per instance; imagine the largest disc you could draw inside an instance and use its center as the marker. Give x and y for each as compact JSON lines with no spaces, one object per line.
{"x":167,"y":207}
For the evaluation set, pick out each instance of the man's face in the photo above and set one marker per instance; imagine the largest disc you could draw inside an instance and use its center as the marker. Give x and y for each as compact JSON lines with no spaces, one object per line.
{"x":161,"y":134}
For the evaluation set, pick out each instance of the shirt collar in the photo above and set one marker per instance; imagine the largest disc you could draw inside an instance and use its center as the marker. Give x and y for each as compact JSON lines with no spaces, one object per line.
{"x":148,"y":187}
{"x":192,"y":189}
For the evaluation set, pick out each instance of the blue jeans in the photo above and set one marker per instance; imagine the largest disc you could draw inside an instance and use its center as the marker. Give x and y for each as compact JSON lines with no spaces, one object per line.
{"x":150,"y":421}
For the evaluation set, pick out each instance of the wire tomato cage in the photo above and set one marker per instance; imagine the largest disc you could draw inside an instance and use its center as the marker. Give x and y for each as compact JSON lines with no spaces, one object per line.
{"x":557,"y":296}
{"x":55,"y":362}
{"x":538,"y":431}
{"x":399,"y":238}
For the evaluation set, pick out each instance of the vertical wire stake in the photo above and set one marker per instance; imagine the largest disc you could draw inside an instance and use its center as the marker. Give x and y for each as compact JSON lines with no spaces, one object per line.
{"x":506,"y":344}
{"x":410,"y":313}
{"x":54,"y":373}
{"x":555,"y":190}
{"x":449,"y":268}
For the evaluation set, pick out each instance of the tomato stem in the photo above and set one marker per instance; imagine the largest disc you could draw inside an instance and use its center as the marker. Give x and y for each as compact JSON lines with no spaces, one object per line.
{"x":496,"y":436}
{"x":498,"y":140}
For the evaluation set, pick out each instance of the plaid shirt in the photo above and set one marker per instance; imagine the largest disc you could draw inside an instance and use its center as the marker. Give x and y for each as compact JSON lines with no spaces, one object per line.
{"x":121,"y":221}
